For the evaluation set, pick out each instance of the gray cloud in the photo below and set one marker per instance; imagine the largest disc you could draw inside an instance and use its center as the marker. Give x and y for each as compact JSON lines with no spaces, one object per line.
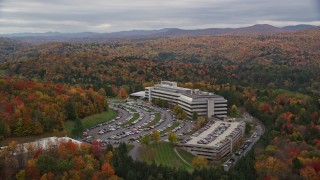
{"x":116,"y":15}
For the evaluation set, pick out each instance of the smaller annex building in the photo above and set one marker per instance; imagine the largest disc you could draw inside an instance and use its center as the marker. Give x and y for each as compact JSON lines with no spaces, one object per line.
{"x":44,"y":144}
{"x":215,"y":140}
{"x":138,"y":95}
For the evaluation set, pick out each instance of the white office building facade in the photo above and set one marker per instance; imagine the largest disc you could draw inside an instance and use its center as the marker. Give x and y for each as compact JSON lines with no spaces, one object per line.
{"x":190,"y":100}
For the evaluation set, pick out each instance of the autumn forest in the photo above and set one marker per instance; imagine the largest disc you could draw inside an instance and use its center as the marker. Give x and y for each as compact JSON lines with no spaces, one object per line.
{"x":275,"y":77}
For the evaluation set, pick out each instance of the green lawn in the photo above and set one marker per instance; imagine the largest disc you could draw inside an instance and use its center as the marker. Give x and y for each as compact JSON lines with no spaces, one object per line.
{"x":129,"y":147}
{"x":92,"y":120}
{"x":186,"y":155}
{"x":132,"y":110}
{"x":116,"y":100}
{"x":156,"y":119}
{"x":175,"y":124}
{"x":165,"y":155}
{"x":135,"y":117}
{"x":192,"y":131}
{"x":150,"y":109}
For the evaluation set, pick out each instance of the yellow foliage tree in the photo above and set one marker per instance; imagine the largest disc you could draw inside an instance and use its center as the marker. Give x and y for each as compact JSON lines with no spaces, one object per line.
{"x":199,"y":162}
{"x":123,"y":93}
{"x":172,"y":137}
{"x":271,"y":167}
{"x":109,"y":156}
{"x":155,"y":136}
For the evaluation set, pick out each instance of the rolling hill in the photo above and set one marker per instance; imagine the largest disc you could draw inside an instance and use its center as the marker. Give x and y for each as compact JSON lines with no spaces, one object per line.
{"x":91,"y":37}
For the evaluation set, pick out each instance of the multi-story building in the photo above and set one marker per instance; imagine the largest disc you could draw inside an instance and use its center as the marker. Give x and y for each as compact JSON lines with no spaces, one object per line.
{"x":217,"y":141}
{"x":190,"y":100}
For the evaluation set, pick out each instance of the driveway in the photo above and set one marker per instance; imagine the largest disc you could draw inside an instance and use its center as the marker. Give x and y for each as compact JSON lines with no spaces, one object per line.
{"x":134,"y":153}
{"x":259,"y":131}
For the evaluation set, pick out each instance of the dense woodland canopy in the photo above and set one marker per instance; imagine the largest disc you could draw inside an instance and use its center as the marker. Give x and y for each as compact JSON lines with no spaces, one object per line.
{"x":67,"y":160}
{"x":288,"y":60}
{"x":275,"y":77}
{"x":292,"y":130}
{"x":32,"y":108}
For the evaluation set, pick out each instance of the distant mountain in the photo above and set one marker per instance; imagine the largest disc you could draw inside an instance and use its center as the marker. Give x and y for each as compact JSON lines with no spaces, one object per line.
{"x":258,"y":29}
{"x":48,"y":34}
{"x":133,"y":33}
{"x":297,"y":27}
{"x":196,"y":32}
{"x":39,"y":38}
{"x":91,"y":37}
{"x":255,"y":29}
{"x":88,"y":34}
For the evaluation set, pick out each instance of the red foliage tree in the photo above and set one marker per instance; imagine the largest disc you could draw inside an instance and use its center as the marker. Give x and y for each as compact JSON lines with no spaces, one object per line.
{"x":108,"y":170}
{"x":96,"y":149}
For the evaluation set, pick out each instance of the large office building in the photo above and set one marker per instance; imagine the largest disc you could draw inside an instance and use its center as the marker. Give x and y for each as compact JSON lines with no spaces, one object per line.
{"x":216,"y":140}
{"x":190,"y":100}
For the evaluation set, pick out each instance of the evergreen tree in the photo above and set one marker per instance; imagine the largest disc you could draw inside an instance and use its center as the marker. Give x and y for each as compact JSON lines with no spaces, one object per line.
{"x":297,"y":165}
{"x":78,"y":128}
{"x":194,"y":116}
{"x":122,"y":149}
{"x":70,"y":110}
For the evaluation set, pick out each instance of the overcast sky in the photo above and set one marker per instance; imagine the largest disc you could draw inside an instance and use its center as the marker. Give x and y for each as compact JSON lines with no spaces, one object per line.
{"x":117,"y":15}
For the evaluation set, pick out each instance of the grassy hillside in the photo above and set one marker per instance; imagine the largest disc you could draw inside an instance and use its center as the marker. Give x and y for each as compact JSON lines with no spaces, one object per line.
{"x":165,"y":155}
{"x":92,"y":120}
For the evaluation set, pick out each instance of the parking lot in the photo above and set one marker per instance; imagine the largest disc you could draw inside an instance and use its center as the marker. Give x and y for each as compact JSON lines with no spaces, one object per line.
{"x":134,"y":120}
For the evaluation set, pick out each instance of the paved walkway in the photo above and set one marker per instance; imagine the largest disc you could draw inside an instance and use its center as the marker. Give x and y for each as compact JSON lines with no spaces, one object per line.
{"x":175,"y":150}
{"x":134,"y":153}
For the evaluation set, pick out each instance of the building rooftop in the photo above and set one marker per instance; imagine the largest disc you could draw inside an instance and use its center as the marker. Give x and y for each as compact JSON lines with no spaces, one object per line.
{"x":174,"y":89}
{"x":221,"y":129}
{"x":191,"y":93}
{"x":203,"y":95}
{"x":45,"y":143}
{"x":139,"y":94}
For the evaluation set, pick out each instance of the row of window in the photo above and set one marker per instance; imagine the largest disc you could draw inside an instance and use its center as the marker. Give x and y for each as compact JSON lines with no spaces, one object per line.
{"x":191,"y":111}
{"x":193,"y":106}
{"x":194,"y":103}
{"x":164,"y":96}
